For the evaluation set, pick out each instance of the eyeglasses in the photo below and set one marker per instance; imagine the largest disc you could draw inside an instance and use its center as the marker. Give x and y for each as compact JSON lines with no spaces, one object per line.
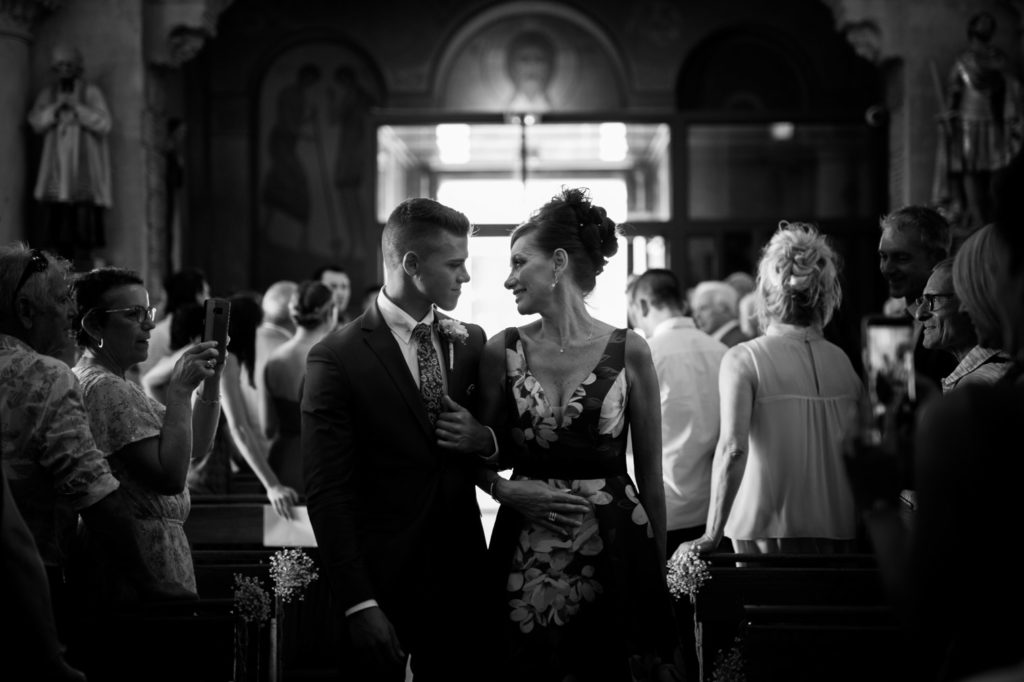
{"x":37,"y":262}
{"x":139,"y":313}
{"x":927,"y":301}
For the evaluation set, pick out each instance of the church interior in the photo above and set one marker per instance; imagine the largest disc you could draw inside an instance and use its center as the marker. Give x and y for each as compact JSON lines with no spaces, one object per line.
{"x":260,"y":140}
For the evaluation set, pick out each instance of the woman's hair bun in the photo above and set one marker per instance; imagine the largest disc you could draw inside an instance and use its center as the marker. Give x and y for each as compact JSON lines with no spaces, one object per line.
{"x":596,"y":230}
{"x":309,"y":303}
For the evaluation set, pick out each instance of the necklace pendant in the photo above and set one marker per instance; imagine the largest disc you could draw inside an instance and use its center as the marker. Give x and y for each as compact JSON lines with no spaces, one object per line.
{"x":561,"y":350}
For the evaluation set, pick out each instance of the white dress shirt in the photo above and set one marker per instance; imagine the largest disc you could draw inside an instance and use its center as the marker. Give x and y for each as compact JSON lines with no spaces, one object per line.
{"x":687,"y":362}
{"x":401,"y":325}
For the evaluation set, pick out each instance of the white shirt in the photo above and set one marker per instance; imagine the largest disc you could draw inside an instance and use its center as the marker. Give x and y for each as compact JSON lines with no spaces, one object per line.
{"x":401,"y":325}
{"x":687,"y":362}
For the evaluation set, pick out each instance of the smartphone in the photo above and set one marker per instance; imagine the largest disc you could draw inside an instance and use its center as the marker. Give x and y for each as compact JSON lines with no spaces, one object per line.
{"x":888,"y":344}
{"x":218,"y":312}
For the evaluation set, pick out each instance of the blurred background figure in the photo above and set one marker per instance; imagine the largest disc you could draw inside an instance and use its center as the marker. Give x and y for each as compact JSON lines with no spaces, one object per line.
{"x":187,"y":285}
{"x":716,"y":312}
{"x":313,"y":311}
{"x":370,"y":296}
{"x":276,"y":328}
{"x":337,"y":280}
{"x":243,"y":420}
{"x":788,"y":399}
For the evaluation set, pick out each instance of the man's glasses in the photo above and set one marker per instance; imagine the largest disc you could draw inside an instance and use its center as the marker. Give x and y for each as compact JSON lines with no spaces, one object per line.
{"x":37,"y":262}
{"x":927,"y":301}
{"x":139,"y":313}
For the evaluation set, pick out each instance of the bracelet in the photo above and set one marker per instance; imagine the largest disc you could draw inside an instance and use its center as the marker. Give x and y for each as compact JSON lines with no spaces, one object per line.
{"x":204,"y":401}
{"x":490,"y":490}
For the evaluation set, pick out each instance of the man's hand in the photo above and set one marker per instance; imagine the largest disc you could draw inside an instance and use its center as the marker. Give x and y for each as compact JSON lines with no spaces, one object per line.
{"x":459,"y":431}
{"x":375,"y":638}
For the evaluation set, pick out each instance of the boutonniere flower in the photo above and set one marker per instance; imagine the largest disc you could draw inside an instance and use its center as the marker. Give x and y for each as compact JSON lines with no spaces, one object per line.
{"x":453,"y":330}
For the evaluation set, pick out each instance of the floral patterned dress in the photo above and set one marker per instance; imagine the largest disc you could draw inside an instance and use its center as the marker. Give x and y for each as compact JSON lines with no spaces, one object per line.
{"x":120,"y":413}
{"x":592,"y":606}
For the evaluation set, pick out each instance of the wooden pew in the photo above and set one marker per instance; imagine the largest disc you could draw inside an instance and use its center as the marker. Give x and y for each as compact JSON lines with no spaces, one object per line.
{"x":800,"y":617}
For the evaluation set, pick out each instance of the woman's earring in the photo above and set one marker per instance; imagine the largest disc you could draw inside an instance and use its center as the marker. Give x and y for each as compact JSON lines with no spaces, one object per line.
{"x":555,"y":283}
{"x":100,"y":344}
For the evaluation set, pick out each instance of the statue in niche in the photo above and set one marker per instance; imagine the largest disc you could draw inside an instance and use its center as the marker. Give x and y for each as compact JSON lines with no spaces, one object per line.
{"x":530,"y":64}
{"x":981,"y":126}
{"x":73,"y":183}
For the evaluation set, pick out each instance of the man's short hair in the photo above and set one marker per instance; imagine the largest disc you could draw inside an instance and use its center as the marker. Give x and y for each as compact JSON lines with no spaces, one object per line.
{"x":933,"y":229}
{"x":414,"y":225}
{"x":660,"y":287}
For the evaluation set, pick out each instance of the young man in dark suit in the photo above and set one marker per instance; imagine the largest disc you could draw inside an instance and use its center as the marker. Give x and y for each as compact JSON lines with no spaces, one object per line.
{"x":391,"y":450}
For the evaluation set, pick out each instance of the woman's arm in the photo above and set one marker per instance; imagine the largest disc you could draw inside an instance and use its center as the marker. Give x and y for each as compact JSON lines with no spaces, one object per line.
{"x":643,"y":411}
{"x":268,"y":413}
{"x":162,"y":462}
{"x":252,"y":449}
{"x":737,"y":384}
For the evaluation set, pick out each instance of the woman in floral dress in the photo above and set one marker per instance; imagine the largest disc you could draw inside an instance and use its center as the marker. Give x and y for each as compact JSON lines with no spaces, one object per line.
{"x":578,"y":548}
{"x":148,"y":444}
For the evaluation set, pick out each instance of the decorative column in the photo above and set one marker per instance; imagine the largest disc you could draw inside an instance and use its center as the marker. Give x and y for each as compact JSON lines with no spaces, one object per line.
{"x":17,"y":19}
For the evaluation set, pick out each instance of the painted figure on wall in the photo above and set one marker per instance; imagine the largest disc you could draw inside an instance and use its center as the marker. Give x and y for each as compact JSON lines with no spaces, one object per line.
{"x":350,"y":107}
{"x":982,"y":125}
{"x":286,"y":189}
{"x":530,"y":64}
{"x":73,"y":184}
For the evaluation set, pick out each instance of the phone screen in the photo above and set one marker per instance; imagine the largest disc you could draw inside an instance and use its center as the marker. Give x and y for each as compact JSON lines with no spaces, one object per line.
{"x":888,"y":362}
{"x":218,"y":312}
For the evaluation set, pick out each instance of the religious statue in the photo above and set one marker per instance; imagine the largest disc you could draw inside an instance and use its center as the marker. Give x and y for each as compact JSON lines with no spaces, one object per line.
{"x":73,"y":183}
{"x":981,"y":126}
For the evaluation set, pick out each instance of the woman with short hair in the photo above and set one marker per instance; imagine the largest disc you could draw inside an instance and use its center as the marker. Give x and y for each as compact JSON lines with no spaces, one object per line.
{"x":788,"y":398}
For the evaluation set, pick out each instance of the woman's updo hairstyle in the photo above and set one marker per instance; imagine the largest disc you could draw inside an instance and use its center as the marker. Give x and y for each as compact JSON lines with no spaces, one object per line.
{"x":310,"y":304}
{"x":570,"y":222}
{"x":798,"y":277}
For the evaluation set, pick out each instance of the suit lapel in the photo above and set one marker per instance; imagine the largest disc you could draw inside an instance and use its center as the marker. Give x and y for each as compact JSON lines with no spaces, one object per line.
{"x":383,"y":344}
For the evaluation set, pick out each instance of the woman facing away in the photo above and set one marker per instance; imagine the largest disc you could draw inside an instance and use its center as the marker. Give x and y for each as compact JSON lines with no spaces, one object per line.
{"x":578,"y":548}
{"x":148,"y":444}
{"x":314,"y":312}
{"x":244,"y":318}
{"x":788,"y":398}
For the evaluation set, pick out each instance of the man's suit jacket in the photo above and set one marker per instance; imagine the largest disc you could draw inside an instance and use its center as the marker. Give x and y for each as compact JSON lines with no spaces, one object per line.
{"x":395,"y":516}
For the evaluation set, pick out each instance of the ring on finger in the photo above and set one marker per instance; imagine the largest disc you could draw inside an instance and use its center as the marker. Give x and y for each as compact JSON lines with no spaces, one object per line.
{"x":552,"y":517}
{"x":210,"y":363}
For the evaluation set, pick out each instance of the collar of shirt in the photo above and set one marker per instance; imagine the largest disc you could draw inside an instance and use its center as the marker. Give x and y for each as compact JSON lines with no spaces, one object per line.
{"x":794,"y":331}
{"x":974,"y":359}
{"x":400,"y":322}
{"x":725,"y":329}
{"x":673,"y":323}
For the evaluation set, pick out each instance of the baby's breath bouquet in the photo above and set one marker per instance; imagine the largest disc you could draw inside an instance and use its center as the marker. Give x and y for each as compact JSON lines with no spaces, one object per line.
{"x":292,"y":571}
{"x":687,"y":573}
{"x":251,"y":606}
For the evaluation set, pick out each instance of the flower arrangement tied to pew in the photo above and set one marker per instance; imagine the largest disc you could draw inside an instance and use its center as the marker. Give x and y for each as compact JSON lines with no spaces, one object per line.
{"x":687,"y":573}
{"x":291,"y":571}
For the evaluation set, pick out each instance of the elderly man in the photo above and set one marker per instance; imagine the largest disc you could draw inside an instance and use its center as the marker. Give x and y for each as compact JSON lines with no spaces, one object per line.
{"x":687,"y":362}
{"x":945,"y":326}
{"x":914,"y":239}
{"x":54,"y":469}
{"x":716,"y":312}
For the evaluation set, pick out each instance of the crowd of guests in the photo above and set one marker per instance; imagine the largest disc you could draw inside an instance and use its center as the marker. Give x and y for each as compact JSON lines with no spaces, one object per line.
{"x":745,"y":436}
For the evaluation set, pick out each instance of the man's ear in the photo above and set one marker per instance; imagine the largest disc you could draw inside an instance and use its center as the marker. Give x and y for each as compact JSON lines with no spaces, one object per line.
{"x":411,"y":263}
{"x":645,"y":307}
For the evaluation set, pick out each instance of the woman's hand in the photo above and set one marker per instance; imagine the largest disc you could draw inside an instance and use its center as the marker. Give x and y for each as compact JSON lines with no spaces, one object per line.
{"x":702,"y":545}
{"x":196,"y":364}
{"x":556,"y":509}
{"x":283,"y":498}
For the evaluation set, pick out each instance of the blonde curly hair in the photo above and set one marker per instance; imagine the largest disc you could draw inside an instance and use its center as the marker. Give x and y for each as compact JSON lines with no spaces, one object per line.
{"x":798,"y":277}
